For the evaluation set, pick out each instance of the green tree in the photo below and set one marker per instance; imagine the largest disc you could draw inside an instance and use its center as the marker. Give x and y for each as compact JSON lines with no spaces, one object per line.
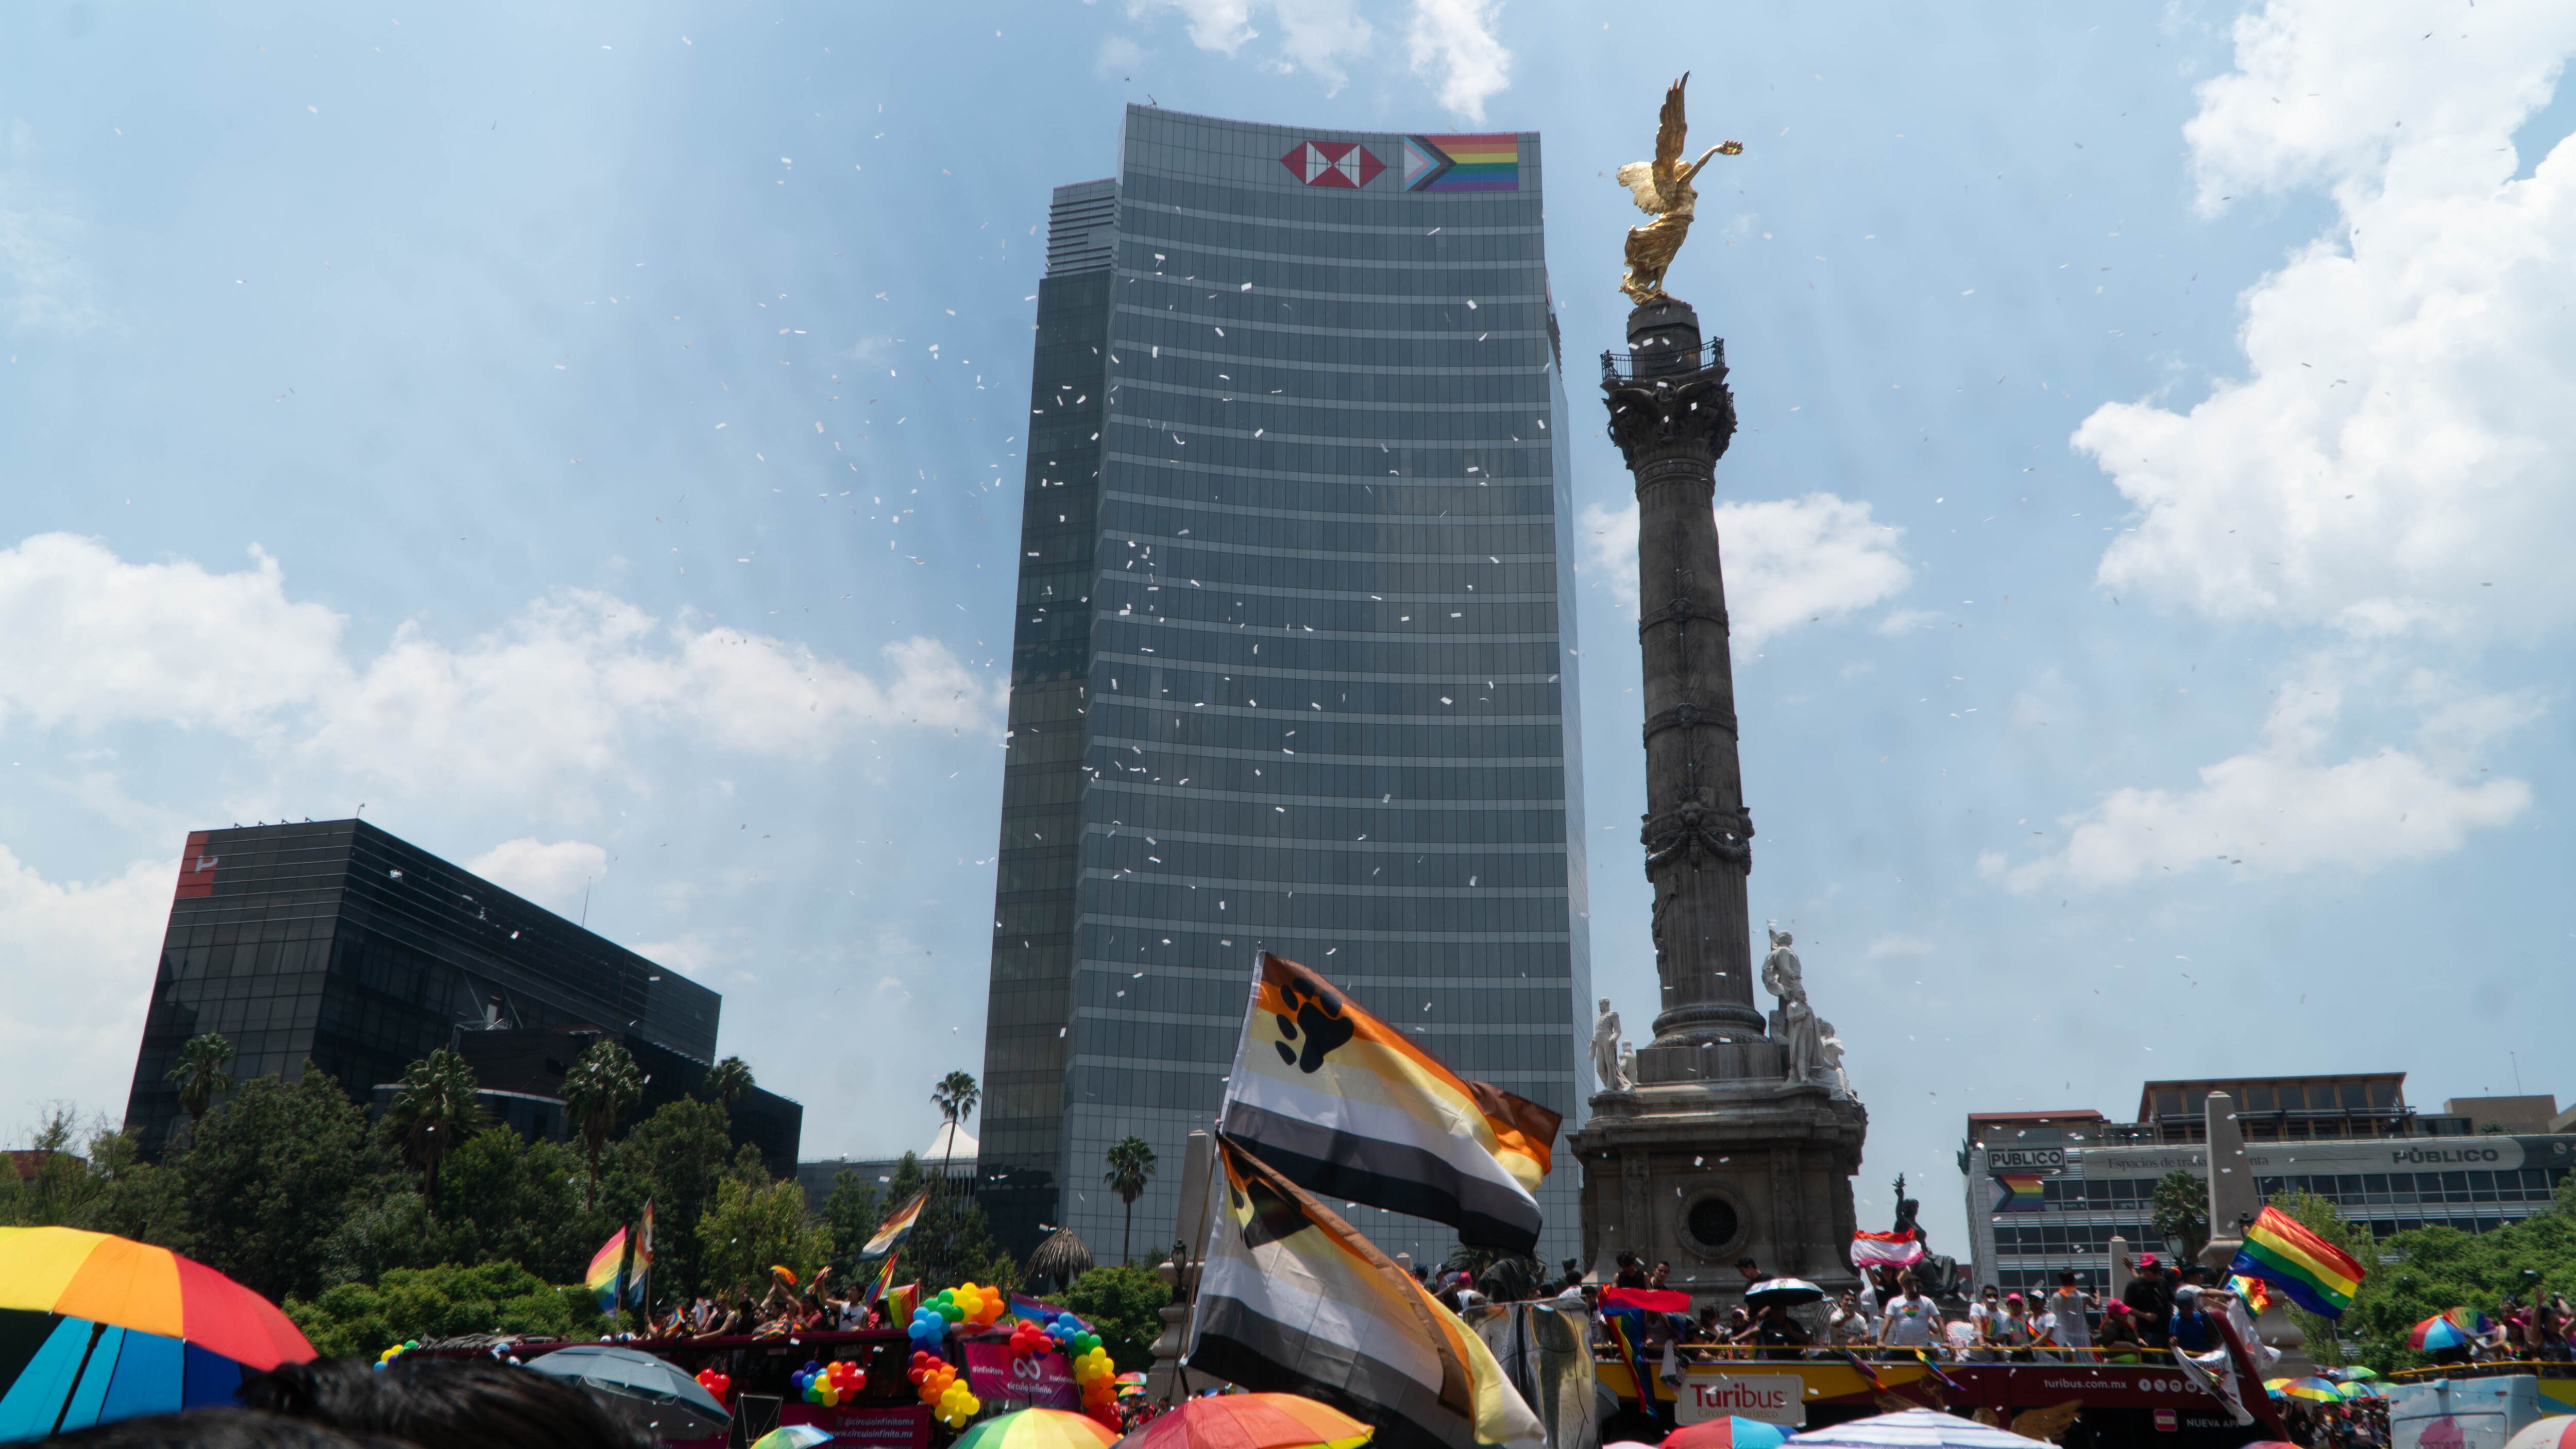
{"x":727,"y":1082}
{"x":200,"y":1074}
{"x":2437,"y":1269}
{"x":675,"y":1159}
{"x":1124,"y":1306}
{"x":751,"y":1226}
{"x":266,"y":1178}
{"x":432,"y":1113}
{"x":955,"y":1097}
{"x":2320,"y":1217}
{"x":111,"y":1189}
{"x":601,"y":1086}
{"x":1131,"y":1165}
{"x":441,"y":1302}
{"x":2180,"y":1209}
{"x":851,"y":1214}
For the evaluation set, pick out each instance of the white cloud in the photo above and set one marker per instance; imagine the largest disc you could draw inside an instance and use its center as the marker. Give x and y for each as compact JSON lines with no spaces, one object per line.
{"x":44,"y":286}
{"x":1897,"y":944}
{"x":550,"y":874}
{"x":1318,"y":36}
{"x":1787,"y":561}
{"x":2391,"y":472}
{"x":79,"y":958}
{"x":1452,"y":44}
{"x":2282,"y":808}
{"x":95,"y":641}
{"x":1118,"y":57}
{"x":2396,"y":459}
{"x":556,"y":698}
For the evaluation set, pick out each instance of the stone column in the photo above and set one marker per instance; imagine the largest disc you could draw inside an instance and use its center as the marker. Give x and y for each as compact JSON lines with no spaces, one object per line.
{"x":2235,"y":1200}
{"x":1672,"y":417}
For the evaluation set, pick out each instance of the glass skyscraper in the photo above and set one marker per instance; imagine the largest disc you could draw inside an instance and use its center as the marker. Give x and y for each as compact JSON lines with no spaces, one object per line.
{"x":1294,"y":662}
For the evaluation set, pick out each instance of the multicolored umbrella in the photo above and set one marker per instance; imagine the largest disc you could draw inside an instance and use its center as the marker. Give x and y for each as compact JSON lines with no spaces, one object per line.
{"x":2311,"y":1390}
{"x":1910,"y":1429}
{"x":1037,"y":1429}
{"x":1250,"y":1421}
{"x":792,"y":1436}
{"x":95,"y":1328}
{"x":2356,"y":1371}
{"x":655,"y":1394}
{"x":2358,"y":1389}
{"x":2449,"y":1330}
{"x":2558,"y":1431}
{"x":1726,"y":1432}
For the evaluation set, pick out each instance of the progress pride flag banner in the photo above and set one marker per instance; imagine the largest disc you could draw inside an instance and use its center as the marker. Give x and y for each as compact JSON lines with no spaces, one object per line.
{"x":1041,"y":1380}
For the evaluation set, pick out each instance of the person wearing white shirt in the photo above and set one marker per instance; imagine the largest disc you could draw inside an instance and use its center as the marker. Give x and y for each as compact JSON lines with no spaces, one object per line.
{"x":2067,"y":1306}
{"x":1910,"y":1318}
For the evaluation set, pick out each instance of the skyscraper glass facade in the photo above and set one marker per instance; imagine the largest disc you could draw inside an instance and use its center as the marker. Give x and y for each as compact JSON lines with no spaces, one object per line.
{"x":1294,"y":662}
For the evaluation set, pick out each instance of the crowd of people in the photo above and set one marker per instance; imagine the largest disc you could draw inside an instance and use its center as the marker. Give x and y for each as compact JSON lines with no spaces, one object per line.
{"x":818,"y":1306}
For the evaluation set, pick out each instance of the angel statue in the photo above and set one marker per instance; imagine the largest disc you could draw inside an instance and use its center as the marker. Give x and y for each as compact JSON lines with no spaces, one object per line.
{"x":1663,"y":191}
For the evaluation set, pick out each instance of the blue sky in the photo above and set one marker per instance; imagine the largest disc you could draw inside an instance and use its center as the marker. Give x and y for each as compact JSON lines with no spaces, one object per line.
{"x":588,"y":437}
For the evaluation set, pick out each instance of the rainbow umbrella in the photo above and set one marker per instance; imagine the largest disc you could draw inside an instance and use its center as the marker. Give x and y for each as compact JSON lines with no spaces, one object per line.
{"x":2449,"y":1330}
{"x":1726,"y":1432}
{"x":95,"y":1328}
{"x":2558,"y":1431}
{"x":2360,"y":1389}
{"x":792,"y":1436}
{"x":1251,"y":1421}
{"x":2312,"y":1390}
{"x":1037,"y":1429}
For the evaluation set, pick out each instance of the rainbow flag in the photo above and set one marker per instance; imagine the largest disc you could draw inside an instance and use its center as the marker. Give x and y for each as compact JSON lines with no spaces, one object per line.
{"x":900,"y":1300}
{"x":1038,"y":1309}
{"x":896,"y":1227}
{"x":1350,"y":1107}
{"x":2257,"y":1297}
{"x":885,"y":1279}
{"x":2020,"y":1192}
{"x":2317,"y":1275}
{"x":1489,"y":162}
{"x":606,"y":1267}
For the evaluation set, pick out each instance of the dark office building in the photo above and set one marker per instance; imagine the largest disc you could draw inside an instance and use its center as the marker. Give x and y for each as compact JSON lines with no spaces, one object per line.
{"x":337,"y":942}
{"x":1293,"y":665}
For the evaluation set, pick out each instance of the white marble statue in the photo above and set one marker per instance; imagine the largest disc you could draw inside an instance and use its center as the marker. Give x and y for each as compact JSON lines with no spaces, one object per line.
{"x":1606,"y":1056}
{"x":1829,"y":1052}
{"x":1628,"y":1066}
{"x":1784,"y":978}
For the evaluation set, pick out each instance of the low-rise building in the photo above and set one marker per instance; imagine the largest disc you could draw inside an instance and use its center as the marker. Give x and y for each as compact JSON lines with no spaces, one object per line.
{"x":2048,"y":1190}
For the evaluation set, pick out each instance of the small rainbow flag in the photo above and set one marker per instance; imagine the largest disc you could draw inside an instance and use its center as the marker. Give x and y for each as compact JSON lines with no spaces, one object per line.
{"x":605,"y":1267}
{"x":2317,"y":1275}
{"x":2257,"y":1297}
{"x":1490,"y":162}
{"x":896,"y":1227}
{"x":900,"y":1301}
{"x":2020,"y":1192}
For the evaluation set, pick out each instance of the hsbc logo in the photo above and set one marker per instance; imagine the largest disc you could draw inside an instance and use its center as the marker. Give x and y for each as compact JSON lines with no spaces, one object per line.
{"x":1346,"y":164}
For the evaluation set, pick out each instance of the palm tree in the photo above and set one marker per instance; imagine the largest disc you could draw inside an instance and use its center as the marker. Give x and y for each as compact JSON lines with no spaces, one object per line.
{"x":728,"y":1081}
{"x":955,"y":1097}
{"x":200,"y":1073}
{"x":1130,"y":1163}
{"x":602,"y":1084}
{"x":432,"y":1113}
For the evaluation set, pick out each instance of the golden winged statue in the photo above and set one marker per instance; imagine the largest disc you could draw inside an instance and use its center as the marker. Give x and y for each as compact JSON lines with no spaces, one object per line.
{"x":1663,"y":191}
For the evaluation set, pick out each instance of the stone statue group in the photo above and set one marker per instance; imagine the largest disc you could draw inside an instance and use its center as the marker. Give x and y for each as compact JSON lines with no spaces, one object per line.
{"x":1815,"y":1054}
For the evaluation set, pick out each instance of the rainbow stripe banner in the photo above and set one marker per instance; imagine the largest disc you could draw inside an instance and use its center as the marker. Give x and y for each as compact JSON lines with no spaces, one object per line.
{"x":2313,"y":1273}
{"x":1344,"y":1105}
{"x":608,"y":1265}
{"x":896,"y":1227}
{"x":2020,"y":1192}
{"x":1489,"y":162}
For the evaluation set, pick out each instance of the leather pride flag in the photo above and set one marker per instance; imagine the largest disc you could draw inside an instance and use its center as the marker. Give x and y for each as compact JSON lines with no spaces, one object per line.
{"x":1293,"y":1300}
{"x":1342,"y":1105}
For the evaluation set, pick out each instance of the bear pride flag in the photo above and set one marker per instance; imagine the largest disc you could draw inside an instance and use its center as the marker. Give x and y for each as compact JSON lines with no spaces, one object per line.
{"x":1343,"y":1106}
{"x":1293,"y":1300}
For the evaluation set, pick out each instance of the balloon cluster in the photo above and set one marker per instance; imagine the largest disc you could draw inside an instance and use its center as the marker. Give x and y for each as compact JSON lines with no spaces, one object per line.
{"x":1099,"y":1380}
{"x":826,"y":1384}
{"x":931,"y":1374}
{"x":395,"y":1352}
{"x":950,"y":1401}
{"x":926,"y":1328}
{"x":1067,"y":1331}
{"x":1029,"y":1340}
{"x":719,"y":1386}
{"x":967,"y":1303}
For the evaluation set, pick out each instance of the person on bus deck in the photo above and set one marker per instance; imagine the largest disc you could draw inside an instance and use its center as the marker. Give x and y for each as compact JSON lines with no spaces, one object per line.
{"x":2118,"y":1341}
{"x":2150,"y":1299}
{"x":2189,"y":1327}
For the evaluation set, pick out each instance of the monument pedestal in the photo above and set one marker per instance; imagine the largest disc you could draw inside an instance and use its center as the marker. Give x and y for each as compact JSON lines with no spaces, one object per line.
{"x":1737,"y":1138}
{"x":1704,"y":1174}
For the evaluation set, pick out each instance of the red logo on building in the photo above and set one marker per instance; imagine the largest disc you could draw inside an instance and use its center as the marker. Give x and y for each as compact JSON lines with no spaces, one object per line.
{"x":1333,"y":163}
{"x":196,"y":868}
